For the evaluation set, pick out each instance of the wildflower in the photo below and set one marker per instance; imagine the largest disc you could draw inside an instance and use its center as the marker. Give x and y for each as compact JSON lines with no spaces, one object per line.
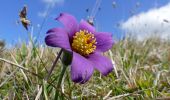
{"x":85,"y":44}
{"x":23,"y":17}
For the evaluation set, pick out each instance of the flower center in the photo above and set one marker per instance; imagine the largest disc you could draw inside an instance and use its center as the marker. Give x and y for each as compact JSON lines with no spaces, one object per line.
{"x":84,"y":43}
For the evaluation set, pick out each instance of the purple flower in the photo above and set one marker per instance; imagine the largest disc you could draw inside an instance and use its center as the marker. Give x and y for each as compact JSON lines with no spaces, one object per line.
{"x":85,"y":44}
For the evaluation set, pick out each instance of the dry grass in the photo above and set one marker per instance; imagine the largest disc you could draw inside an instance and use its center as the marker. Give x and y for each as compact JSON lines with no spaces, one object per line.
{"x":142,"y":73}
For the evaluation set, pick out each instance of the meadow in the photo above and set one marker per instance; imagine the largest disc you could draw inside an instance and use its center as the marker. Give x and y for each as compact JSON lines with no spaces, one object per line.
{"x":141,"y":72}
{"x":32,"y":70}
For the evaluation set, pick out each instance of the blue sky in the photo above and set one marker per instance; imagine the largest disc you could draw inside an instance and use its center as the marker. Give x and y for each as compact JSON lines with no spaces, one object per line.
{"x":107,"y":19}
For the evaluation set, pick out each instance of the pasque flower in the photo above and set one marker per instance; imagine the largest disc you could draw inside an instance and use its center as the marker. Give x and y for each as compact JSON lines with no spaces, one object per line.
{"x":85,"y":44}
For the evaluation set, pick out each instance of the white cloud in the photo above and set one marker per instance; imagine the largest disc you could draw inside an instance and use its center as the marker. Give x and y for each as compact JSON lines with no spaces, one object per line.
{"x":155,"y":21}
{"x":42,"y":14}
{"x":48,"y":5}
{"x":53,"y":2}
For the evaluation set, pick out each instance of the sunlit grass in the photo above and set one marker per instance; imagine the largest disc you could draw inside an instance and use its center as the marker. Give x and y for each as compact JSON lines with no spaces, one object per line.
{"x":142,"y":73}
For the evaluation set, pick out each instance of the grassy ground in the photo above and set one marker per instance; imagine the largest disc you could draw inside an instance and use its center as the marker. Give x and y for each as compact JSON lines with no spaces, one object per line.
{"x":141,"y":72}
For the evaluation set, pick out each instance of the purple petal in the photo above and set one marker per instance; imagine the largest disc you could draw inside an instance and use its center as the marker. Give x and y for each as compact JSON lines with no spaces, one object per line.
{"x":57,"y":37}
{"x":101,"y":63}
{"x":81,"y":68}
{"x":104,"y":41}
{"x":69,"y":22}
{"x":84,"y":25}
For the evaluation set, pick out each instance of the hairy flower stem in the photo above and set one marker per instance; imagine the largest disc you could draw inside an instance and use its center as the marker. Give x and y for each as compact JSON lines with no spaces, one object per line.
{"x":60,"y":80}
{"x":54,"y":63}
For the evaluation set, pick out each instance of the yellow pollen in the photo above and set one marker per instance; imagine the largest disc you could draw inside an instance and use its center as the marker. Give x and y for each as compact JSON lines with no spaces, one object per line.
{"x":84,"y":43}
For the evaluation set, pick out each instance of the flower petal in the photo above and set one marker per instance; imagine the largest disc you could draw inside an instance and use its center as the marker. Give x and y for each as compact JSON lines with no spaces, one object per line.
{"x":84,"y":25}
{"x":101,"y":63}
{"x":57,"y":37}
{"x":69,"y":22}
{"x":104,"y":41}
{"x":81,"y":69}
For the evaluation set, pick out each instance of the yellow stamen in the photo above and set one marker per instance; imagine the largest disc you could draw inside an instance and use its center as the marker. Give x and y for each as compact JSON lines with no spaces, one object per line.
{"x":84,"y":43}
